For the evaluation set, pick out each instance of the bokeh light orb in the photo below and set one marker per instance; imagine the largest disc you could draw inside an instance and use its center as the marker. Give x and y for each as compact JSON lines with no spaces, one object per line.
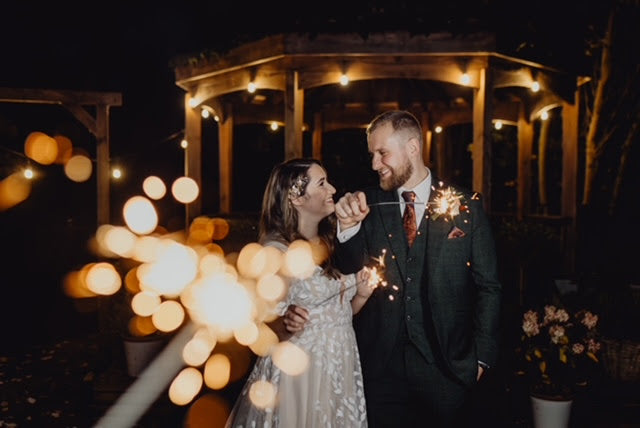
{"x":145,"y":303}
{"x":185,"y":386}
{"x":185,"y":190}
{"x":140,"y":215}
{"x":41,"y":148}
{"x":290,"y":358}
{"x":208,"y":411}
{"x":217,"y":371}
{"x":78,"y":168}
{"x":247,"y":334}
{"x":154,"y":187}
{"x":65,"y":149}
{"x":102,"y":278}
{"x":168,"y":316}
{"x":262,"y":394}
{"x":220,"y":228}
{"x":13,"y":190}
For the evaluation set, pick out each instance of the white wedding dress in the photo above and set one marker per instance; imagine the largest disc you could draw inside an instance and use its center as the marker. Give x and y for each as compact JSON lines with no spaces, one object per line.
{"x":329,"y":393}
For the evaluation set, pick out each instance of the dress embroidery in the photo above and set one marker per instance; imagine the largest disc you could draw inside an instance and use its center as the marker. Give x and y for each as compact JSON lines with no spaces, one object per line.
{"x":330,"y":392}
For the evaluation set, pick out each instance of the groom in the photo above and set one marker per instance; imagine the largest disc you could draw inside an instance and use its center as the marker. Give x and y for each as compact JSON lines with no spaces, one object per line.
{"x":426,"y":337}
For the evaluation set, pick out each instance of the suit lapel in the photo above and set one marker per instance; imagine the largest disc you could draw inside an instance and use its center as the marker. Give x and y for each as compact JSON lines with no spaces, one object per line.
{"x":394,"y":231}
{"x":437,"y":231}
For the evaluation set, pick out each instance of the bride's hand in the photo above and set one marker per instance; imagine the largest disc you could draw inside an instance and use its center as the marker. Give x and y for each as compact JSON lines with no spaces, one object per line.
{"x":295,"y":318}
{"x":364,"y":288}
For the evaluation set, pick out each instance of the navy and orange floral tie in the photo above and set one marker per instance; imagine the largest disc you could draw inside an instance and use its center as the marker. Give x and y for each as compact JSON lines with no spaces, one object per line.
{"x":409,"y":217}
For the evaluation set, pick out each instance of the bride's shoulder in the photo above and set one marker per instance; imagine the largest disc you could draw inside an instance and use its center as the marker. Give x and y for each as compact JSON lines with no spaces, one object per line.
{"x":282,"y":246}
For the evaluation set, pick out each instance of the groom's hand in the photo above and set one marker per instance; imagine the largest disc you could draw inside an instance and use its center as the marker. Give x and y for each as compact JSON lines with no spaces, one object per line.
{"x":351,"y":209}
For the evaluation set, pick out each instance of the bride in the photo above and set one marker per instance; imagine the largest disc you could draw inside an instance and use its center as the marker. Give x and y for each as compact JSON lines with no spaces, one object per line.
{"x":315,"y":315}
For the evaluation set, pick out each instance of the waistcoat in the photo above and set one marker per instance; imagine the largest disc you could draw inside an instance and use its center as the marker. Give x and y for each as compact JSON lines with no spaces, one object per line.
{"x":415,"y":301}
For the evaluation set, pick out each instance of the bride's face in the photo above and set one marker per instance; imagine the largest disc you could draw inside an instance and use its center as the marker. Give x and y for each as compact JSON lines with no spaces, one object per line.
{"x":317,"y":202}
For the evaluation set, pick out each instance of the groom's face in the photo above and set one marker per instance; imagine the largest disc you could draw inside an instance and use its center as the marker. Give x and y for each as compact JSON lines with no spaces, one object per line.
{"x":389,"y":157}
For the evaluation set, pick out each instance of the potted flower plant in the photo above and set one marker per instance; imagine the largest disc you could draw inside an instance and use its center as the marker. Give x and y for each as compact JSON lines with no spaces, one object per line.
{"x":561,"y":350}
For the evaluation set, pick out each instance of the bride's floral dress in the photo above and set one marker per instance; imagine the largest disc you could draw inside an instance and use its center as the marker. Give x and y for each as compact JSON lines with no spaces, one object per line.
{"x":329,"y":393}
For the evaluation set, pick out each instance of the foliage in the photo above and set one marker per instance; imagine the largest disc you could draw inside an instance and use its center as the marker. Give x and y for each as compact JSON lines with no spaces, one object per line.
{"x":560,"y":350}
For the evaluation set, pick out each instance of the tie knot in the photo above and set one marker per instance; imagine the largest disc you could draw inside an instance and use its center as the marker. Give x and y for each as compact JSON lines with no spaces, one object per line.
{"x":409,"y":196}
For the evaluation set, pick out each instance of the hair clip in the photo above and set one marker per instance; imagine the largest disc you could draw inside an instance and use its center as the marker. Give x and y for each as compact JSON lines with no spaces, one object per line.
{"x":297,"y":188}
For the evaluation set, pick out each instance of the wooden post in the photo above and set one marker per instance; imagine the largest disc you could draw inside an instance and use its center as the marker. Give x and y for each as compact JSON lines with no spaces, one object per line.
{"x":193,"y":157}
{"x":482,"y":118}
{"x":225,"y":138}
{"x":293,"y":112}
{"x":525,"y":145}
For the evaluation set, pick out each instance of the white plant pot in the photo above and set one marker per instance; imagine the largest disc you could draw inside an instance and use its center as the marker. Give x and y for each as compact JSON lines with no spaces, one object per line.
{"x":139,"y":352}
{"x":550,"y":413}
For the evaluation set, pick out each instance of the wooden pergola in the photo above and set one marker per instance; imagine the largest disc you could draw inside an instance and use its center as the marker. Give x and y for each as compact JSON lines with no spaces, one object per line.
{"x":97,"y":124}
{"x":443,"y":79}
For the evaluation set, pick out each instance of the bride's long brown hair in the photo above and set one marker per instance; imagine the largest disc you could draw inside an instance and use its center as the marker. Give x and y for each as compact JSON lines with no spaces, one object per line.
{"x":279,"y":219}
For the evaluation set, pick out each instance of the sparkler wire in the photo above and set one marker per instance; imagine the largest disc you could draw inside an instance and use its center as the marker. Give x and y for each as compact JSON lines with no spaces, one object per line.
{"x":135,"y":401}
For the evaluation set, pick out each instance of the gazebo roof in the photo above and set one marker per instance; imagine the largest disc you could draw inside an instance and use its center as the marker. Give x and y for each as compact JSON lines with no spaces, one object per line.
{"x":398,"y":69}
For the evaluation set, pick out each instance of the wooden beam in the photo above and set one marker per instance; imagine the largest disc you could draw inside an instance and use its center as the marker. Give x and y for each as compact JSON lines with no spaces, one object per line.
{"x":52,"y":96}
{"x":83,"y":117}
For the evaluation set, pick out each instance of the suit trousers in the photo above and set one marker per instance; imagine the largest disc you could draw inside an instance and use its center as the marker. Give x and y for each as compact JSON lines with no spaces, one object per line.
{"x":412,"y":392}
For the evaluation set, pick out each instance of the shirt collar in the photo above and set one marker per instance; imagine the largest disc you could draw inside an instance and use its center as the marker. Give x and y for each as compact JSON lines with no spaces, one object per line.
{"x":422,"y":190}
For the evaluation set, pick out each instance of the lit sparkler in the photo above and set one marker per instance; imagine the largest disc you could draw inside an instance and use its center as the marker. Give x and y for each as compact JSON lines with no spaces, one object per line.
{"x":375,"y":279}
{"x":447,"y":203}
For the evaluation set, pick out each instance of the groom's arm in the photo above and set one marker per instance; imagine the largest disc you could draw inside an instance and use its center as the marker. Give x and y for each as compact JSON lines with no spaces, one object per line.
{"x":489,"y":290}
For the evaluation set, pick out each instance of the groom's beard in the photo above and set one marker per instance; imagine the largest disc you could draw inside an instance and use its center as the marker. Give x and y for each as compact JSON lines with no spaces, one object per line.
{"x":397,"y":178}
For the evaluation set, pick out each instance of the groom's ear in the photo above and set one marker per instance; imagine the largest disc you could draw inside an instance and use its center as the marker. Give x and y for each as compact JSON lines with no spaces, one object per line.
{"x":414,"y":146}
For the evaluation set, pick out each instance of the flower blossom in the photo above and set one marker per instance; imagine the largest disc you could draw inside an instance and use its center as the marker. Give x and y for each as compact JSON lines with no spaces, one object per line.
{"x":590,"y":320}
{"x":577,"y":348}
{"x":553,"y":314}
{"x":556,"y":332}
{"x":530,"y":324}
{"x":593,"y":346}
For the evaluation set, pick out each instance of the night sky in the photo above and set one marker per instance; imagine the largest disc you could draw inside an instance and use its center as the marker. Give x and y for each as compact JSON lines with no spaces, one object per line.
{"x":128,"y":47}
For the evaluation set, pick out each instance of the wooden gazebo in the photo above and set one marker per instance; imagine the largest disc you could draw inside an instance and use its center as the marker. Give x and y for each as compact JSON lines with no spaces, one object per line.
{"x":443,"y":79}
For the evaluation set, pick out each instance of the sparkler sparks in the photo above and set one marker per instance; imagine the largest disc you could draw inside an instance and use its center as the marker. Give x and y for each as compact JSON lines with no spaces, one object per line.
{"x":447,"y":203}
{"x":375,"y":280}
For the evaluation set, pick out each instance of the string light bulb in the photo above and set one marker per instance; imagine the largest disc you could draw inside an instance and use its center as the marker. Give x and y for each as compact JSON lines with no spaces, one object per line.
{"x":535,"y":86}
{"x":465,"y":79}
{"x":344,"y":79}
{"x":28,"y":173}
{"x":438,"y":129}
{"x":544,"y":115}
{"x":251,"y":87}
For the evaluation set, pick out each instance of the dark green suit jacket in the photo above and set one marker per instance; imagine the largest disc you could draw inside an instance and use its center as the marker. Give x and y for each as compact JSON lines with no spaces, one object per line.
{"x":459,"y":284}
